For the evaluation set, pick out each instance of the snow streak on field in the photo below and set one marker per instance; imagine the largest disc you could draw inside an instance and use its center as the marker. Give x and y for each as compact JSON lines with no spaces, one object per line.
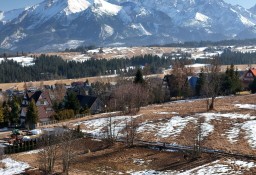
{"x":215,"y":168}
{"x":246,"y":106}
{"x":172,"y":127}
{"x":99,"y":127}
{"x":12,"y":167}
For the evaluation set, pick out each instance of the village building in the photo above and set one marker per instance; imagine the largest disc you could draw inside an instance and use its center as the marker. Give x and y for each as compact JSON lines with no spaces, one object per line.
{"x":93,"y":104}
{"x":43,"y":103}
{"x":248,"y":77}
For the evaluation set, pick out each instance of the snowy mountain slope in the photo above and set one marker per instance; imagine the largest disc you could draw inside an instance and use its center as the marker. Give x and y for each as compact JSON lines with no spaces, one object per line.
{"x":10,"y":15}
{"x":253,"y":9}
{"x":127,"y":22}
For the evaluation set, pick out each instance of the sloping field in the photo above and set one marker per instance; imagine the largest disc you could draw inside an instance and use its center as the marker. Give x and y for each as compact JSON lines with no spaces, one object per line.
{"x":230,"y":127}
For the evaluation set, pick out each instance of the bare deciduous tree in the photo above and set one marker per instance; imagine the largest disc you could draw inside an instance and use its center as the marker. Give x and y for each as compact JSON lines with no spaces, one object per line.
{"x":49,"y":153}
{"x":70,"y":145}
{"x":129,"y":97}
{"x":131,"y":131}
{"x":213,"y":81}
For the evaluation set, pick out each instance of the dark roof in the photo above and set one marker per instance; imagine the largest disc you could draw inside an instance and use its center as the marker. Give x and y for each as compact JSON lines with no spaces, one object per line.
{"x":34,"y":95}
{"x":86,"y":100}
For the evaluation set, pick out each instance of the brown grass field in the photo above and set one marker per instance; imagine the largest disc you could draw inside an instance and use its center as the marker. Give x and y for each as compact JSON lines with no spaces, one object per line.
{"x":120,"y":159}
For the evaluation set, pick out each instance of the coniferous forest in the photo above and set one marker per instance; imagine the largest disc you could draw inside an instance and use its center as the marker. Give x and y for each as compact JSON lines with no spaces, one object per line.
{"x":54,"y":67}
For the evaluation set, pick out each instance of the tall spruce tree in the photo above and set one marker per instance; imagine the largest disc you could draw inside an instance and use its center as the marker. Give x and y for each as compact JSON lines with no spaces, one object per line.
{"x":32,"y":115}
{"x":15,"y":112}
{"x":200,"y":83}
{"x":7,"y":112}
{"x":139,"y":77}
{"x":72,"y":102}
{"x":230,"y":81}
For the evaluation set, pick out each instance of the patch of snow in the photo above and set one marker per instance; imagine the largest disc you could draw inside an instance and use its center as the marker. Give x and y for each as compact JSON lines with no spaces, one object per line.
{"x":141,"y":29}
{"x":207,"y":129}
{"x":220,"y":168}
{"x":201,"y":17}
{"x":165,"y":113}
{"x":99,"y":127}
{"x":197,"y":65}
{"x":250,"y":129}
{"x":106,"y":31}
{"x":172,"y":128}
{"x":13,"y":167}
{"x":76,"y":6}
{"x":32,"y":152}
{"x":246,"y":106}
{"x":245,"y":21}
{"x":103,"y":7}
{"x":218,"y":116}
{"x":23,"y":60}
{"x":233,"y":133}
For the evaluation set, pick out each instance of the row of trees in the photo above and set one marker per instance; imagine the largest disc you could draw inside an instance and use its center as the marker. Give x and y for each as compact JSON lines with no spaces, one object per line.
{"x":54,"y":67}
{"x":211,"y":82}
{"x":10,"y":113}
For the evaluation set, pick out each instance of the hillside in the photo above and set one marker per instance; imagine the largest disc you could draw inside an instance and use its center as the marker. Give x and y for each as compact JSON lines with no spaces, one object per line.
{"x":230,"y":128}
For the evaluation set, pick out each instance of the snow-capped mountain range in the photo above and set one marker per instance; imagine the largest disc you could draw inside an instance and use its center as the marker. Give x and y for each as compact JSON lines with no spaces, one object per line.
{"x":60,"y":24}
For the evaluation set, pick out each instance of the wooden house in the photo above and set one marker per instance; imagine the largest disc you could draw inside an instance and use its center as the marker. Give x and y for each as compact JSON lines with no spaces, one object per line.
{"x":248,"y":77}
{"x":43,"y":103}
{"x":94,"y":104}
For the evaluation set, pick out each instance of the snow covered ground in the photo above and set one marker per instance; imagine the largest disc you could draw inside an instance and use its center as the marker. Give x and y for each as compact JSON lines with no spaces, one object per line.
{"x":23,"y":60}
{"x":12,"y":167}
{"x":219,"y":167}
{"x":246,"y":106}
{"x":99,"y":127}
{"x":173,"y":126}
{"x":163,"y":129}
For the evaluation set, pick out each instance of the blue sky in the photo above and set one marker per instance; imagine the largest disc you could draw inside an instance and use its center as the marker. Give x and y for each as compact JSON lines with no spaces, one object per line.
{"x":13,"y":4}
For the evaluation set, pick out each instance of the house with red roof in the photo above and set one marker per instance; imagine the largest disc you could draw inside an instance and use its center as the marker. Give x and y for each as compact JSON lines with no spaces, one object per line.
{"x":250,"y":75}
{"x":43,"y":103}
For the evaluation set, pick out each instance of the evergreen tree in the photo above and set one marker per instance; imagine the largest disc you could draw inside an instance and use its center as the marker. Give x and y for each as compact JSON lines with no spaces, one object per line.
{"x":230,"y":81}
{"x":200,"y":83}
{"x":7,"y":112}
{"x":139,"y":77}
{"x":252,"y":86}
{"x":72,"y":102}
{"x":15,"y":112}
{"x":32,"y":115}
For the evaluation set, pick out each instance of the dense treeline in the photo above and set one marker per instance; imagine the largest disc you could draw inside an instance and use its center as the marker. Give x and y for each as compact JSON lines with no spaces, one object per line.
{"x":54,"y":67}
{"x":244,"y":42}
{"x":228,"y":58}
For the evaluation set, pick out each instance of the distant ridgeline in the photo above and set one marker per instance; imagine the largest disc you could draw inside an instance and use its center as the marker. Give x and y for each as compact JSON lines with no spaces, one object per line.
{"x":54,"y":67}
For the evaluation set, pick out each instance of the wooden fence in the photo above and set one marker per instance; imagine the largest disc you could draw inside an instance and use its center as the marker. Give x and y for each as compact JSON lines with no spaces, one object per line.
{"x":59,"y":121}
